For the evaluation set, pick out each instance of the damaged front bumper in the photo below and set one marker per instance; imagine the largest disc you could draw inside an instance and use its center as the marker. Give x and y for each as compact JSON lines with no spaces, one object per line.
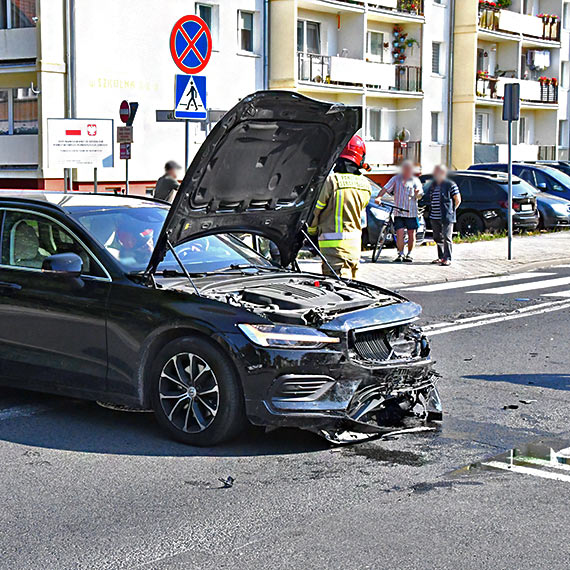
{"x":378,"y":380}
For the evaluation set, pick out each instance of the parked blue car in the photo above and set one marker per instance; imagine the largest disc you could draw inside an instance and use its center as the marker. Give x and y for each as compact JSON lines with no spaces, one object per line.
{"x":552,"y":190}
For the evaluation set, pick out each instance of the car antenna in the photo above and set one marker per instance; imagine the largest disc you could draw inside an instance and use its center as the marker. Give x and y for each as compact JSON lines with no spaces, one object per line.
{"x":184,"y":270}
{"x":320,"y":254}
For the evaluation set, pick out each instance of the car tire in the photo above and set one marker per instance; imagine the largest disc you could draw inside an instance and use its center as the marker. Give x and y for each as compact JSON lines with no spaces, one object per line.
{"x":470,"y":223}
{"x":196,"y":394}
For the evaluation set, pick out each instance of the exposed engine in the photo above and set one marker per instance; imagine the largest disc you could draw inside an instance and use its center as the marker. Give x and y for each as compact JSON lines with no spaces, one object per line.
{"x":298,"y":299}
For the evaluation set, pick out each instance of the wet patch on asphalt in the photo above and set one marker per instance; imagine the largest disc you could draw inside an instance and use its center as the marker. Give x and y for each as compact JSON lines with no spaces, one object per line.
{"x":384,"y":455}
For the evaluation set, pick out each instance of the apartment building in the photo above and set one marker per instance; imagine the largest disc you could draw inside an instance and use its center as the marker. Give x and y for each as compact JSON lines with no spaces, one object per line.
{"x":390,"y":56}
{"x":81,"y":58}
{"x":510,"y":41}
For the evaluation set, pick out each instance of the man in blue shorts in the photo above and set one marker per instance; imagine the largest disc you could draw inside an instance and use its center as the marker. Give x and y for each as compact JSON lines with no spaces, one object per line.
{"x":407,"y":191}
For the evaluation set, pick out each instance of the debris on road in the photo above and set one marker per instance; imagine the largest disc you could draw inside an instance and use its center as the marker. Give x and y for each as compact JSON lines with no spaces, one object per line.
{"x":527,"y":401}
{"x":226,"y":483}
{"x":510,"y":407}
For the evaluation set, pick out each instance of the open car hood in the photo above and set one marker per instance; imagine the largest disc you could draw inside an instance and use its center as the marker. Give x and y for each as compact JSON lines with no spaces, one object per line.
{"x":260,"y":171}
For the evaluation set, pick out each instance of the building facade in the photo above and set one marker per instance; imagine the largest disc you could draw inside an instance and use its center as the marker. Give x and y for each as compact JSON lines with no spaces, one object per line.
{"x":389,"y":56}
{"x":79,"y":58}
{"x":510,"y":41}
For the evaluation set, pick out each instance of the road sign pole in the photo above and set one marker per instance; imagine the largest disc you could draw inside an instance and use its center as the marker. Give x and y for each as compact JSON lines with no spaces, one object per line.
{"x":186,"y":145}
{"x":127,"y":176}
{"x":95,"y":184}
{"x":510,"y":201}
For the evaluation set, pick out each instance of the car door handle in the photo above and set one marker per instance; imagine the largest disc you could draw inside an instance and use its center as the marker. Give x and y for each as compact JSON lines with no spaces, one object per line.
{"x":7,"y":287}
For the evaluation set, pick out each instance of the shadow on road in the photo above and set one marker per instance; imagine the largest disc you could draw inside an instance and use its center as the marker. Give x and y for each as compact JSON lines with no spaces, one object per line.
{"x":53,"y":422}
{"x":553,"y":381}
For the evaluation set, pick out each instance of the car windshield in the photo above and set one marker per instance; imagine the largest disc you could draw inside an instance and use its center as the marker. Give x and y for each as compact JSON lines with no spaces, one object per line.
{"x":129,"y":234}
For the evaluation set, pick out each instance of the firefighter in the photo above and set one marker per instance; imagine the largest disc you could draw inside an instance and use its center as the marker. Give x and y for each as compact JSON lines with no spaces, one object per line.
{"x":337,"y":220}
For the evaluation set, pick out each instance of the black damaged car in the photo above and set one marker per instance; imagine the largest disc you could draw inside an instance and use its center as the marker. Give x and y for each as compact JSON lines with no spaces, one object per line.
{"x":128,"y":301}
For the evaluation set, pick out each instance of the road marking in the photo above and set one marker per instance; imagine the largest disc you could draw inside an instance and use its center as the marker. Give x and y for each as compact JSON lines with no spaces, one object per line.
{"x":490,"y":318}
{"x":558,"y":294}
{"x":475,"y":282}
{"x":507,"y":290}
{"x":527,"y":471}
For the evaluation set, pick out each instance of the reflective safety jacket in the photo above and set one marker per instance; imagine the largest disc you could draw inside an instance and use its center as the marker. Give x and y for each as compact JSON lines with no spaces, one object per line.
{"x":338,"y":214}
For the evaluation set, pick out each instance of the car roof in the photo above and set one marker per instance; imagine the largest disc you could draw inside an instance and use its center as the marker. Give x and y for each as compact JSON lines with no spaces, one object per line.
{"x":65,"y":200}
{"x":493,"y":175}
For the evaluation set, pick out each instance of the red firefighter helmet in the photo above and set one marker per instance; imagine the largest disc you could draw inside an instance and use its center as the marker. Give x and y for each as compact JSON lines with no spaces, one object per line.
{"x":355,"y":150}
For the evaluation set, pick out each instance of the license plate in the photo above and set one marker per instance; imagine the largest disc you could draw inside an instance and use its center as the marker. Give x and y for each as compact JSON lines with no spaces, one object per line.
{"x":526,"y":207}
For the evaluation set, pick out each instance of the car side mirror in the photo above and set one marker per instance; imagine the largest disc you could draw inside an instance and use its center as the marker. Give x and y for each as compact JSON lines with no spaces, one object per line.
{"x":542,"y":185}
{"x":64,"y":264}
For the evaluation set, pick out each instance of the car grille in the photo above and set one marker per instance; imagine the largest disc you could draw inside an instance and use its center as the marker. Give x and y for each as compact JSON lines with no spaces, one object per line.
{"x":372,"y":345}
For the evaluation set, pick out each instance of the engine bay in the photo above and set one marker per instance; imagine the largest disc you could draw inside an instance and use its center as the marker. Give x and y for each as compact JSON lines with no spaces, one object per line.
{"x":298,"y":299}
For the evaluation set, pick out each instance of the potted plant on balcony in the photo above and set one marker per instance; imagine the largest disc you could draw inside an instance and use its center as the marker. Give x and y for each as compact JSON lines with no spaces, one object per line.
{"x":544,"y":81}
{"x":411,"y":42}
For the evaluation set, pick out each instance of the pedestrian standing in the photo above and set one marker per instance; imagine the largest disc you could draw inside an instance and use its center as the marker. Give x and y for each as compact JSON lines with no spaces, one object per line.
{"x":167,"y":185}
{"x":443,"y":198}
{"x":337,"y":220}
{"x":407,"y":190}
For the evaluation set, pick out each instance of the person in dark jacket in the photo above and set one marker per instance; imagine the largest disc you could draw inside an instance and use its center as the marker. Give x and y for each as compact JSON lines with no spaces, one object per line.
{"x":443,"y":198}
{"x":167,"y":184}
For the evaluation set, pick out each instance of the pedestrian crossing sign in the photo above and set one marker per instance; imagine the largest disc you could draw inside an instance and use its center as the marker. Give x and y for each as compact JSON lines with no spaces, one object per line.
{"x":190,"y":97}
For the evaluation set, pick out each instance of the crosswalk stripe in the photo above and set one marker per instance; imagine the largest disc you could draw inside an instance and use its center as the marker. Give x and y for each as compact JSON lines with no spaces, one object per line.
{"x":475,"y":282}
{"x":565,"y":294}
{"x":508,"y":289}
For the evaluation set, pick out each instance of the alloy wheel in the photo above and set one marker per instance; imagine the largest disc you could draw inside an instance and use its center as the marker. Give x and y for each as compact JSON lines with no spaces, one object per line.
{"x":189,"y":392}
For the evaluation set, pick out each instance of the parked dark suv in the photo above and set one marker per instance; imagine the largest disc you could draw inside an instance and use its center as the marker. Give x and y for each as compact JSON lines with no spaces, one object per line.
{"x":484,"y":198}
{"x":134,"y":302}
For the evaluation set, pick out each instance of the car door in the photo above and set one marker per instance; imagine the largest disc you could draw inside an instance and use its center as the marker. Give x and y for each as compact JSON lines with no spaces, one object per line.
{"x":52,"y":327}
{"x":549,"y":184}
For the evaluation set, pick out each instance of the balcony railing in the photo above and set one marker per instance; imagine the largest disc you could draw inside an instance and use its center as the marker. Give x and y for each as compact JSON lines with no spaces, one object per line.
{"x":507,"y":21}
{"x":414,"y":7}
{"x":391,"y":152}
{"x":531,"y":91}
{"x":410,"y":150}
{"x":344,"y":71}
{"x":314,"y":67}
{"x":408,"y":78}
{"x":547,"y":152}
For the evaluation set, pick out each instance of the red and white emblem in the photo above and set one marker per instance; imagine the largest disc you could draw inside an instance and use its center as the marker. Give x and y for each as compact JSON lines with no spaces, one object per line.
{"x":91,"y":130}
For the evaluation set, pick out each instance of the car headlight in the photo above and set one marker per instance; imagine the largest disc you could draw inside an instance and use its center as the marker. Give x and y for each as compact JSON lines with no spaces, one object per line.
{"x":286,"y":336}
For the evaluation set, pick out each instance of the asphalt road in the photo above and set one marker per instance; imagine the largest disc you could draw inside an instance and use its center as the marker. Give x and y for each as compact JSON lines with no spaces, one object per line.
{"x":86,"y":488}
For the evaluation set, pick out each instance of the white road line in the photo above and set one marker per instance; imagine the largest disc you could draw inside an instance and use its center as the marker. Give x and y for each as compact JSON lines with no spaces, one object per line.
{"x":475,"y":282}
{"x":527,"y":471}
{"x":558,"y":294}
{"x":509,"y":289}
{"x":471,"y":322}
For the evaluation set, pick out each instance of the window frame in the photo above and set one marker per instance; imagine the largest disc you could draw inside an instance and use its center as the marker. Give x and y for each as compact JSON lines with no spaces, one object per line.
{"x":5,"y":209}
{"x":214,"y":24}
{"x":239,"y":30}
{"x":376,"y":58}
{"x":523,"y":131}
{"x":485,"y":128}
{"x":369,"y":111}
{"x":10,"y":18}
{"x":11,"y":122}
{"x":434,"y":46}
{"x":304,"y":24}
{"x":435,"y":115}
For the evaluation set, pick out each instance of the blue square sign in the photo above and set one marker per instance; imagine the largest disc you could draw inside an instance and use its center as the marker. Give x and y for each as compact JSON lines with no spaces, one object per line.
{"x":190,"y":97}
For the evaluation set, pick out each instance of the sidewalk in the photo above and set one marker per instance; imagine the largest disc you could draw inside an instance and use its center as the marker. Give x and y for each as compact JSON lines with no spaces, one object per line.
{"x":479,"y":259}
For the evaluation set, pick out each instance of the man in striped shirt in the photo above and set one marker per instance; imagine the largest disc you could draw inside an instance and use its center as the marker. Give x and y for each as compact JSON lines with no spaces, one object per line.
{"x":407,"y":190}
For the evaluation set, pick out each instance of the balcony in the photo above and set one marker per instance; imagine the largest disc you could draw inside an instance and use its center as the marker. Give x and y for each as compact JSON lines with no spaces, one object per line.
{"x":530,"y":91}
{"x":18,"y":152}
{"x":18,"y":44}
{"x":392,"y":153}
{"x":496,"y":20}
{"x":334,"y":71}
{"x":498,"y":152}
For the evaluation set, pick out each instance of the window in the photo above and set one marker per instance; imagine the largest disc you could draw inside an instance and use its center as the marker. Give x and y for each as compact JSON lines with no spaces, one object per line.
{"x":566,"y":16}
{"x":18,"y":111}
{"x":17,"y":14}
{"x":523,"y":132}
{"x":481,"y":134}
{"x":375,"y":46}
{"x":209,"y":13}
{"x":563,"y":133}
{"x":435,"y":58}
{"x":245,"y":29}
{"x":308,"y":37}
{"x":437,"y":1}
{"x":28,"y":239}
{"x":435,"y":127}
{"x":374,"y":125}
{"x":565,"y":73}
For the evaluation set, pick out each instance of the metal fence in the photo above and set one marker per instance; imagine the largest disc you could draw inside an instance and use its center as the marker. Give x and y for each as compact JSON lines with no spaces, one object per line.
{"x":408,"y":78}
{"x":314,"y":67}
{"x":547,"y":152}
